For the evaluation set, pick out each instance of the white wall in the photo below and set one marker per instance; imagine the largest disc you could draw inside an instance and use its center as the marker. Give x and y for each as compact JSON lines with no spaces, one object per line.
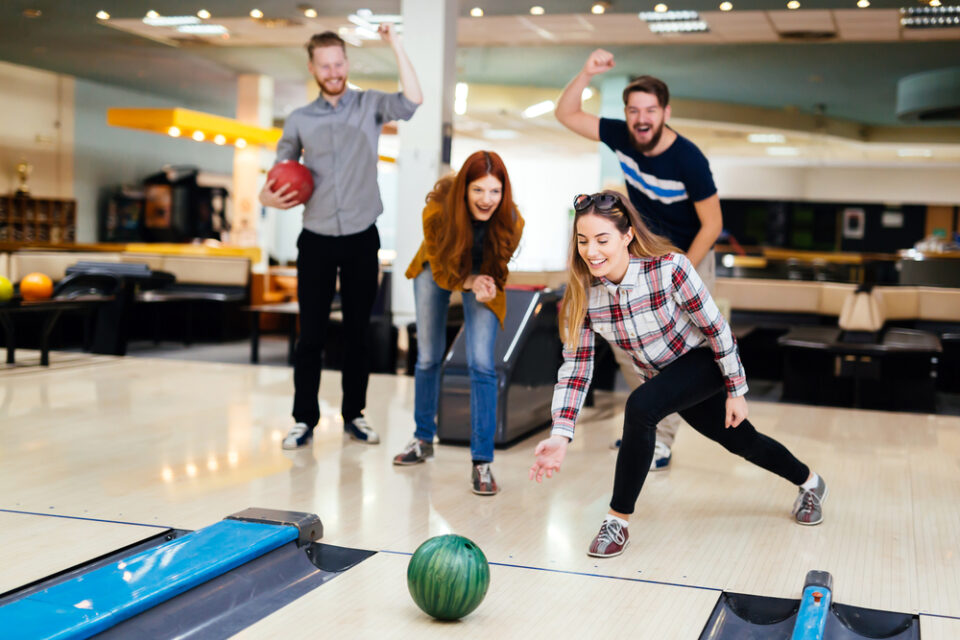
{"x":36,"y":125}
{"x":897,"y":184}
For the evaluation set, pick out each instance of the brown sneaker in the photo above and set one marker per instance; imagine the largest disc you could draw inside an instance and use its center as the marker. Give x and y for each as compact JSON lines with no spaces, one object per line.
{"x":483,"y":482}
{"x":610,"y":541}
{"x":415,"y":452}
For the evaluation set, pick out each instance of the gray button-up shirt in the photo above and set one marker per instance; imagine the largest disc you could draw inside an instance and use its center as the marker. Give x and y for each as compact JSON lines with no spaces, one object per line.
{"x":339,"y":146}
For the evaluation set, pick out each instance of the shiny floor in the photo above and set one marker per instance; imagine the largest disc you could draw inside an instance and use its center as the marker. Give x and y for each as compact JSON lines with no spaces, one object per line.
{"x":182,"y":444}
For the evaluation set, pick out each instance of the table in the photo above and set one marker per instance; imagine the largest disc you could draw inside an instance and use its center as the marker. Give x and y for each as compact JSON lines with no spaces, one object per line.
{"x":291,"y":309}
{"x":52,"y":310}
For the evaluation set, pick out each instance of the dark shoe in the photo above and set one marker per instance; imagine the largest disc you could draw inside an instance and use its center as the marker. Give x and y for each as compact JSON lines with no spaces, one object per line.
{"x":415,"y":452}
{"x":483,"y":482}
{"x":358,"y":429}
{"x":610,"y":541}
{"x":300,"y":436}
{"x":808,"y":508}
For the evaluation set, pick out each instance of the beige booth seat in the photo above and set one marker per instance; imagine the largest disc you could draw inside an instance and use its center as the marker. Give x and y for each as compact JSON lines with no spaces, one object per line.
{"x":196,"y":270}
{"x":827,"y":298}
{"x":53,"y":263}
{"x":5,"y":265}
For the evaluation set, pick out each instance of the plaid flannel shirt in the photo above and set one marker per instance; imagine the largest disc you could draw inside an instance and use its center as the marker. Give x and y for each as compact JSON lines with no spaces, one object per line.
{"x":658,"y":312}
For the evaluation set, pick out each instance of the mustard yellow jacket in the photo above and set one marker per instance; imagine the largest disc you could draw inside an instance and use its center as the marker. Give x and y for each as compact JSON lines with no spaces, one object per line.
{"x":446,"y":268}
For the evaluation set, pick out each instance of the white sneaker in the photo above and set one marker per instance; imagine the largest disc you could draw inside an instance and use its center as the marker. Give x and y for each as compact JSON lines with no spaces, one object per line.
{"x":359,"y":429}
{"x":661,"y":457}
{"x":300,"y":436}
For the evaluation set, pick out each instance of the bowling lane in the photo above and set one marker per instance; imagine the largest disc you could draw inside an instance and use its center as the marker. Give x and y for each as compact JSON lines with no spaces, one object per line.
{"x":939,"y":628}
{"x":371,"y":601}
{"x":36,"y":546}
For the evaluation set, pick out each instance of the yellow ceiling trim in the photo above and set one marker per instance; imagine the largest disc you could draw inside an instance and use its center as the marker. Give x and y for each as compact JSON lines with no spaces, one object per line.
{"x":187,"y":122}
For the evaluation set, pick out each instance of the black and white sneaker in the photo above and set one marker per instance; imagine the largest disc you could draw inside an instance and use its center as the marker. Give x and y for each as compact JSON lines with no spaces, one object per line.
{"x":300,"y":436}
{"x":358,"y":429}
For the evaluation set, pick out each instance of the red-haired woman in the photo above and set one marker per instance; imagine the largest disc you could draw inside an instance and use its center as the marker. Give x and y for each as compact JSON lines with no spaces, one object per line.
{"x":471,"y":228}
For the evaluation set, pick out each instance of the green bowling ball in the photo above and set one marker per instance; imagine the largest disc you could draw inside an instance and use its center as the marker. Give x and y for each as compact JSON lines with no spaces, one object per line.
{"x":448,"y":577}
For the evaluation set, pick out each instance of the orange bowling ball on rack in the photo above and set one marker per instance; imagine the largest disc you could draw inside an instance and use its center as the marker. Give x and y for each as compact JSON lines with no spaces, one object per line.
{"x":36,"y":286}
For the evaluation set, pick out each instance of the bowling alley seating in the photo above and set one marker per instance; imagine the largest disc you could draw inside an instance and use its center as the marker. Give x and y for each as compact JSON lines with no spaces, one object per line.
{"x":894,"y":367}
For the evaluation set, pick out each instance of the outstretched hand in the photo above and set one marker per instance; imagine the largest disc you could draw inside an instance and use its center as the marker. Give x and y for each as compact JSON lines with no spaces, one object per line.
{"x":600,"y":61}
{"x":550,"y":454}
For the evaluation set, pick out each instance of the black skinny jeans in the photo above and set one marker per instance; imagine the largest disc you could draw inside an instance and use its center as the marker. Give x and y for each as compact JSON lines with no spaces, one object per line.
{"x":319,"y":260}
{"x":693,"y":387}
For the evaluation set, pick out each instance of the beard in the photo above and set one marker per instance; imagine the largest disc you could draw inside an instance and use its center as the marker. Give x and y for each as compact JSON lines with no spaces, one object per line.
{"x":329,"y":90}
{"x":647,"y":146}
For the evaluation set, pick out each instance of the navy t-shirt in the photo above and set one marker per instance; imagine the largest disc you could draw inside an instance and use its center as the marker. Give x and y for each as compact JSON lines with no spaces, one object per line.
{"x":664,"y":187}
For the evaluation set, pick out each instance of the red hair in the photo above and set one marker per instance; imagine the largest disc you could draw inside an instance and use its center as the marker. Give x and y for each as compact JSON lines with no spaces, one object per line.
{"x":456,"y":238}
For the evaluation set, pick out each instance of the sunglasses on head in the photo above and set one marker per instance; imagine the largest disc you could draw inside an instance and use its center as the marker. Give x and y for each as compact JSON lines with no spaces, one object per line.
{"x":600,"y":201}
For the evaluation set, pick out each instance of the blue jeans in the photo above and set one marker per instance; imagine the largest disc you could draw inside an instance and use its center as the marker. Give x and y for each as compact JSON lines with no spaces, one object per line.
{"x":481,"y":330}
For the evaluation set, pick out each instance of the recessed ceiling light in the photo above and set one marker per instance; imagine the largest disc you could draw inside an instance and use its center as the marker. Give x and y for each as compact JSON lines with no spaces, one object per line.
{"x":310,"y":13}
{"x":766,"y":138}
{"x":103,"y":15}
{"x":661,"y":8}
{"x":476,"y":12}
{"x":32,"y":13}
{"x":586,"y":94}
{"x":240,"y":143}
{"x":203,"y":29}
{"x":783,"y":151}
{"x":863,"y":4}
{"x":203,"y":14}
{"x":914,"y":153}
{"x":152,"y":14}
{"x":174,"y":131}
{"x":538,"y":109}
{"x":536,"y":10}
{"x":934,"y":3}
{"x":219,"y":139}
{"x":256,"y":13}
{"x":726,"y":6}
{"x":198,"y":136}
{"x":598,"y":8}
{"x":793,"y":4}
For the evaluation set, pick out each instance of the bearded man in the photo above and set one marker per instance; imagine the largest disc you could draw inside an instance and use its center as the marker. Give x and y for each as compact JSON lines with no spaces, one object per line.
{"x":668,"y":180}
{"x":337,"y":136}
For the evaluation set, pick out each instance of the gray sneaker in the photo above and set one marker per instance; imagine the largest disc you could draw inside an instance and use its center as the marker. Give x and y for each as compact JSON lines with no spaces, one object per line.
{"x":415,"y":452}
{"x":808,"y":508}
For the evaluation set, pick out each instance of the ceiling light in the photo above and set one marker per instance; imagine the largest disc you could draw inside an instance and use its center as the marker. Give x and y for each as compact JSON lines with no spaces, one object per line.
{"x":152,"y":14}
{"x":256,"y":14}
{"x":32,"y":13}
{"x":667,"y":16}
{"x":684,"y":26}
{"x":587,"y":94}
{"x":198,"y":136}
{"x":793,"y":4}
{"x":219,"y":139}
{"x":310,"y":13}
{"x":203,"y":14}
{"x":766,"y":138}
{"x":914,"y":153}
{"x":240,"y":143}
{"x":599,"y":8}
{"x":476,"y":12}
{"x":661,"y":8}
{"x":103,"y":15}
{"x":726,"y":6}
{"x":170,"y":21}
{"x":783,"y":151}
{"x":203,"y":29}
{"x":174,"y":132}
{"x":536,"y":10}
{"x":934,"y":3}
{"x":863,"y":4}
{"x":538,"y":109}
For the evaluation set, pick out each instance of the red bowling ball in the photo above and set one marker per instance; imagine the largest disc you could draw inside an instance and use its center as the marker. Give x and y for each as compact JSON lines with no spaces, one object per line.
{"x":294,"y":174}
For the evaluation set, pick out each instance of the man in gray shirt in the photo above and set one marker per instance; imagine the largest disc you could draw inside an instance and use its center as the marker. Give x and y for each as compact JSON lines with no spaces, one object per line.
{"x":337,"y":135}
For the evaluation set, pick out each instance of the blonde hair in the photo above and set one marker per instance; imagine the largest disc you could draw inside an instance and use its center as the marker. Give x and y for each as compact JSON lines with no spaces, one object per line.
{"x":644,"y":244}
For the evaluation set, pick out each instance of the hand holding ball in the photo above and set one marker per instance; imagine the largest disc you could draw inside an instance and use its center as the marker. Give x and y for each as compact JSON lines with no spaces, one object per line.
{"x":295,"y":177}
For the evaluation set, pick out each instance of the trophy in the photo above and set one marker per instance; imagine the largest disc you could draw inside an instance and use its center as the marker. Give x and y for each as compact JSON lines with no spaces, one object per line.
{"x":23,"y":172}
